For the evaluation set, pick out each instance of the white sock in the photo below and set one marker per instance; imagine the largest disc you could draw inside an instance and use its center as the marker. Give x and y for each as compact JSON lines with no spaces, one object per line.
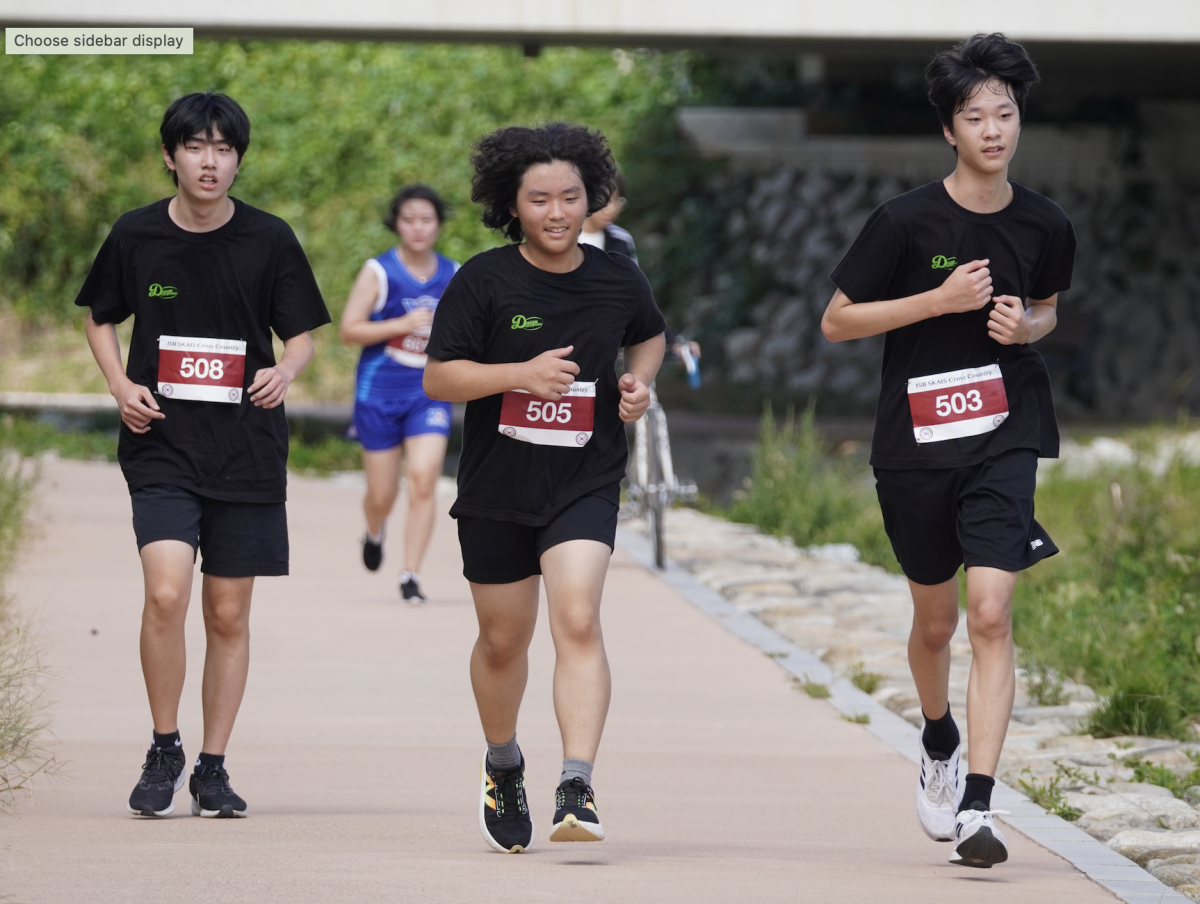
{"x":406,"y":576}
{"x":377,"y":539}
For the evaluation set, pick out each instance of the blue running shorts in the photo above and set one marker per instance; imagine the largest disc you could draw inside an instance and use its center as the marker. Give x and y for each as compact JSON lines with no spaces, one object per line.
{"x":387,"y":423}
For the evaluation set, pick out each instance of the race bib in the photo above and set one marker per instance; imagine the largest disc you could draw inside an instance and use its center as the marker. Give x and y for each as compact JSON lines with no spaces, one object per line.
{"x":567,"y":422}
{"x":201,"y":370}
{"x":409,"y":349}
{"x":957,"y":404}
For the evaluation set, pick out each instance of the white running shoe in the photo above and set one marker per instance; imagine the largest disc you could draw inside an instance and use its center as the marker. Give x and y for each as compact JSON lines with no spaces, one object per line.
{"x":977,"y":841}
{"x":939,"y":793}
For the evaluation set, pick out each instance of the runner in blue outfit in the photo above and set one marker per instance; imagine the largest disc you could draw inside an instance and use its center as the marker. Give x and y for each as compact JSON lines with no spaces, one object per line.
{"x":389,"y":313}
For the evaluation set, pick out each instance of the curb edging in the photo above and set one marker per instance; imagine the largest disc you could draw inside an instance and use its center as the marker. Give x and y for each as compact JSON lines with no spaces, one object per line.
{"x":1104,"y":866}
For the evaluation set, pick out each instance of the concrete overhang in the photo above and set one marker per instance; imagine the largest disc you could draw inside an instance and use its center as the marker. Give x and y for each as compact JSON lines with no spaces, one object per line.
{"x":798,"y":25}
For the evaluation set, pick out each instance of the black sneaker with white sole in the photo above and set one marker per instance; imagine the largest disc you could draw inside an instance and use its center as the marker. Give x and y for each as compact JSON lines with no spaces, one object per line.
{"x":372,"y":553}
{"x":410,"y":589}
{"x":977,"y":840}
{"x":504,"y":816}
{"x":162,"y":776}
{"x":211,"y":795}
{"x":575,"y":817}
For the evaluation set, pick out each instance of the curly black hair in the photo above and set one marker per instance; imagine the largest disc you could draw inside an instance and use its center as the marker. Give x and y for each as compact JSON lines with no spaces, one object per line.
{"x":955,"y":75}
{"x":417,"y":191}
{"x":502,"y":159}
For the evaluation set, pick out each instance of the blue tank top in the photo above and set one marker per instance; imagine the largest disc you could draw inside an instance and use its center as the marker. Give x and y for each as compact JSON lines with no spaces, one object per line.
{"x":394,"y":369}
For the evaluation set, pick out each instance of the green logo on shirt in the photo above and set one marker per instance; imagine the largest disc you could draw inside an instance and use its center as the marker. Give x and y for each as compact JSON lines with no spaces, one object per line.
{"x":157,"y":291}
{"x":526,"y":323}
{"x":941,"y":262}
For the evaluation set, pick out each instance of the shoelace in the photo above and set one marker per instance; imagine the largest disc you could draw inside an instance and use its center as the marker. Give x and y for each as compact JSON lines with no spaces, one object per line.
{"x":580,"y":792}
{"x":938,"y":787}
{"x":508,"y":788}
{"x":216,"y":776}
{"x":156,"y":770}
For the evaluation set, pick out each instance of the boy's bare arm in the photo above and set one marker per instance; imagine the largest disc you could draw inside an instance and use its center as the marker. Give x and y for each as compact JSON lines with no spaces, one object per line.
{"x":1011,"y":323}
{"x":968,"y":288}
{"x":136,"y":403}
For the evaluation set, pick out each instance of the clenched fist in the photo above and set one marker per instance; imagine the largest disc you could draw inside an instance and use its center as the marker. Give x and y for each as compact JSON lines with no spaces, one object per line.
{"x":550,"y":375}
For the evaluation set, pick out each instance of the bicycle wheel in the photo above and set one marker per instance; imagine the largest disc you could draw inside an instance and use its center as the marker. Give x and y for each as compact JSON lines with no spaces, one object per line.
{"x":655,"y":497}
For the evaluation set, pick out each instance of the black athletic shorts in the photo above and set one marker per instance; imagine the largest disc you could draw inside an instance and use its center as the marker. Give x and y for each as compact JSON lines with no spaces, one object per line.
{"x":236,"y":539}
{"x":501,"y":552}
{"x":940,"y":519}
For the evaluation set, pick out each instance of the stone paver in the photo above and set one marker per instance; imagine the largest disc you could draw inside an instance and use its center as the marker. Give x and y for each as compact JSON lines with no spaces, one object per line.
{"x":358,"y":748}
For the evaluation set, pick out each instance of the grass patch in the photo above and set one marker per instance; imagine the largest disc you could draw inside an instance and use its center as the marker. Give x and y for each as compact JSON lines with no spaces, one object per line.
{"x":1120,"y":608}
{"x":859,"y":719}
{"x":28,"y":436}
{"x":1048,"y":795}
{"x":22,"y":720}
{"x":332,"y":453}
{"x":867,"y":682}
{"x":814,"y":689}
{"x":799,"y":489}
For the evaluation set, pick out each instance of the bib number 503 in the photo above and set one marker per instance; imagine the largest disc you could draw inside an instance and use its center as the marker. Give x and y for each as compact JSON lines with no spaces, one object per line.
{"x":202,"y":368}
{"x":549,"y":412}
{"x":958,"y":403}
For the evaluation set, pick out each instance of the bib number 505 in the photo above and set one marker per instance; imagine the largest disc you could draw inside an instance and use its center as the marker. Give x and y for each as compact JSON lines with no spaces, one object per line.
{"x":549,"y":412}
{"x":958,"y":403}
{"x":202,"y":368}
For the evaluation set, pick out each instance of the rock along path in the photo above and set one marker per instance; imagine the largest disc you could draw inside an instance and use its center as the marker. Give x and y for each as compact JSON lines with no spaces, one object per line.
{"x":358,"y":748}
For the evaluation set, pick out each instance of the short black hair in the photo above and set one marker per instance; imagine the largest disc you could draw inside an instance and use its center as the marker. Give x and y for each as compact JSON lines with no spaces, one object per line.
{"x":502,"y":159}
{"x":411,"y":192}
{"x":955,"y":75}
{"x":196,"y":114}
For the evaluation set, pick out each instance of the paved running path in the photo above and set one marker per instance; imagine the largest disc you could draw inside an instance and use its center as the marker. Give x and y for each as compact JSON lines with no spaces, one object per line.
{"x":358,"y":748}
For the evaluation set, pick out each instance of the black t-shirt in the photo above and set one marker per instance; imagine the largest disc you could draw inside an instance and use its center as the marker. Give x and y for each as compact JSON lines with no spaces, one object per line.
{"x":501,"y":309}
{"x":238,"y":282}
{"x":909,"y":245}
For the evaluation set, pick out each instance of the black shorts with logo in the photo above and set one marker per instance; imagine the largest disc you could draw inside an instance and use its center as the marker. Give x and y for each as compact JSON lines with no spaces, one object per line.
{"x":236,"y":539}
{"x":940,"y":519}
{"x":502,"y":552}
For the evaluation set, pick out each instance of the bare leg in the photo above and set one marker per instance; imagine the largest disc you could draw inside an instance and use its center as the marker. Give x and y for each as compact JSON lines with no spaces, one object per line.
{"x":227,"y":659}
{"x":993,"y":672}
{"x":935,"y":616}
{"x":382,"y":470}
{"x":507,"y":615}
{"x":574,"y":573}
{"x":167,"y":567}
{"x":424,"y":456}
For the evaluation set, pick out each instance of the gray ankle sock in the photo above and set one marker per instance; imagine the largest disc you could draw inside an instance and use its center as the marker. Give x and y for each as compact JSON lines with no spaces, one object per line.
{"x":580,"y":769}
{"x":504,"y":757}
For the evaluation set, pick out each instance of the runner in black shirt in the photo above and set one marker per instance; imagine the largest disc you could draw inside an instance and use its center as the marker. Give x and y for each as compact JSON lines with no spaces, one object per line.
{"x":203,"y":442}
{"x":962,"y":275}
{"x":528,"y":336}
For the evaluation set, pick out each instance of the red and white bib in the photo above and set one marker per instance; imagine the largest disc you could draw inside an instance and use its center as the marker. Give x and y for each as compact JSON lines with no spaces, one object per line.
{"x":201,"y":370}
{"x":567,"y":422}
{"x":409,"y":349}
{"x":957,"y":404}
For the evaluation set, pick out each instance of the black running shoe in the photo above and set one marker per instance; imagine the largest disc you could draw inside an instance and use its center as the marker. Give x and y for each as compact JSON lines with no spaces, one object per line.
{"x":410,"y":589}
{"x":162,"y":776}
{"x":212,"y":796}
{"x":503,"y":811}
{"x":575,"y":817}
{"x":372,"y":553}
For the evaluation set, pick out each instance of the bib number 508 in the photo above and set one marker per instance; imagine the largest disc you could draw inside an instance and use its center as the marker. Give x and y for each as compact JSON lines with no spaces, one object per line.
{"x":202,"y":368}
{"x":958,"y":403}
{"x":549,"y":412}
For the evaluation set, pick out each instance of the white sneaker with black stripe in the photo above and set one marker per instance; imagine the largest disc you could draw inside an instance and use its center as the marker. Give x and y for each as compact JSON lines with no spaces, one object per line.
{"x":977,"y":840}
{"x":940,"y":789}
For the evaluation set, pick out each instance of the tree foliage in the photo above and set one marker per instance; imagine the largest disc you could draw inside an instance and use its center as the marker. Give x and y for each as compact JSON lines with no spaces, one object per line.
{"x":337,"y":127}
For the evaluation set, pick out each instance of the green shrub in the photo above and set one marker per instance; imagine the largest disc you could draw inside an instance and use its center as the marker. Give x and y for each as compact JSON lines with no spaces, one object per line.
{"x":333,"y":453}
{"x":1137,"y":709}
{"x":797,"y":489}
